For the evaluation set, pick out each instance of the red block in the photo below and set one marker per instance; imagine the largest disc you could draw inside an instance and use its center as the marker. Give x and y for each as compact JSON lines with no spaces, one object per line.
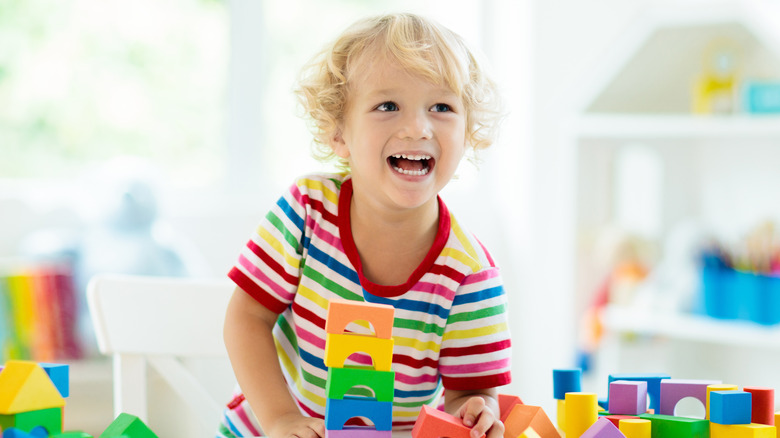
{"x":763,"y":404}
{"x":506,"y":403}
{"x":433,"y":423}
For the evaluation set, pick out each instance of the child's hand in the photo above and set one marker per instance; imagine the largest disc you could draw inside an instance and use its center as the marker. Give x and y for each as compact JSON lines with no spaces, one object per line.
{"x":480,"y":418}
{"x":298,"y":426}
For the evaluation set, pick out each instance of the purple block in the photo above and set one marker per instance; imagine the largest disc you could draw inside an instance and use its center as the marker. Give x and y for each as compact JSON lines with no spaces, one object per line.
{"x":674,"y":390}
{"x":358,"y":432}
{"x":603,"y":428}
{"x":627,"y":397}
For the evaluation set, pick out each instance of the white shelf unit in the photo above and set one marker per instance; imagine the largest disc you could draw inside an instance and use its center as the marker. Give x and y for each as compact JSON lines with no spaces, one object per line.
{"x":719,"y":171}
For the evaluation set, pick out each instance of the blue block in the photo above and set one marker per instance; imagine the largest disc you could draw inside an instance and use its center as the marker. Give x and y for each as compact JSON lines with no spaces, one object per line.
{"x":60,"y":375}
{"x":731,"y":407}
{"x":337,"y":412}
{"x":566,"y":380}
{"x":653,"y":385}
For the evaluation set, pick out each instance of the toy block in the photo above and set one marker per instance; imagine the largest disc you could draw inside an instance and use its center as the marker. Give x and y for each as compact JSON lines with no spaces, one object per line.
{"x":668,"y":426}
{"x":752,"y":430}
{"x":27,"y":387}
{"x":50,"y":420}
{"x":521,"y":417}
{"x":653,"y":385}
{"x":763,"y":405}
{"x":716,"y":387}
{"x":560,"y":415}
{"x":635,"y":427}
{"x":674,"y":390}
{"x":581,"y":413}
{"x":72,"y":434}
{"x":341,"y":380}
{"x":566,"y":380}
{"x":731,"y":407}
{"x":615,"y":419}
{"x":506,"y":403}
{"x":628,"y":397}
{"x":59,"y":375}
{"x":342,"y":312}
{"x":529,"y":433}
{"x":602,"y":428}
{"x":127,"y":426}
{"x":339,"y":347}
{"x":337,"y":412}
{"x":358,"y":432}
{"x":433,"y":423}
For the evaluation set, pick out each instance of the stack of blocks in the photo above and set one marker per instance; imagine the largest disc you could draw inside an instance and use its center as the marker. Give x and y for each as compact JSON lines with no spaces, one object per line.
{"x":32,"y":401}
{"x":340,"y":404}
{"x":729,"y":412}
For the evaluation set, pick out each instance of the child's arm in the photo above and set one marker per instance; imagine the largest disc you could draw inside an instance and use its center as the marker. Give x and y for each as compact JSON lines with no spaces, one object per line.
{"x":478,"y":409}
{"x":253,"y":355}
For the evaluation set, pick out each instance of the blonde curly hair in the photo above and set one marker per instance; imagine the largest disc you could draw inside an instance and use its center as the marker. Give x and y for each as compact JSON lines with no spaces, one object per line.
{"x":421,"y":46}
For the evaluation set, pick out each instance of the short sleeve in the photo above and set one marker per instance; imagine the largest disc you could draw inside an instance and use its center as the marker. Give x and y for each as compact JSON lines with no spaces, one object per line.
{"x":476,"y":344}
{"x":269,"y":265}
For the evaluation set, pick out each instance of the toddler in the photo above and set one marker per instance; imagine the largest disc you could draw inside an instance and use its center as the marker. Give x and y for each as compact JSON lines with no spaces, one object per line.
{"x":398,"y":100}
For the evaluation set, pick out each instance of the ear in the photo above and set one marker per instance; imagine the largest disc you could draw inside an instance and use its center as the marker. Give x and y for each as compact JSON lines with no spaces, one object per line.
{"x":338,"y":144}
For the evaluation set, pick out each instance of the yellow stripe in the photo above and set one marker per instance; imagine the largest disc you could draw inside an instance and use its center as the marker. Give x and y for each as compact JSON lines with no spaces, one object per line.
{"x":293,"y":372}
{"x":475,"y":333}
{"x":312,"y":296}
{"x":463,"y":258}
{"x":416,"y":344}
{"x":279,"y":247}
{"x":329,"y":194}
{"x":463,"y":239}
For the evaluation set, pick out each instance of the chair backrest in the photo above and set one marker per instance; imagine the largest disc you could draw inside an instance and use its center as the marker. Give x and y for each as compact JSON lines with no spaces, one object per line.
{"x":165,"y":325}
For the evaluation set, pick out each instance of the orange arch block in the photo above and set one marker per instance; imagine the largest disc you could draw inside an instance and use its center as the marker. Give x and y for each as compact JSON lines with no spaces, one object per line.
{"x":342,"y":312}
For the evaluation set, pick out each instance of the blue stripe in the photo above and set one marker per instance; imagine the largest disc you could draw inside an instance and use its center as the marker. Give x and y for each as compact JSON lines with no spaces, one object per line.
{"x":410,"y":305}
{"x":312,"y":360}
{"x":421,"y":393}
{"x":481,"y":295}
{"x":290,"y":213}
{"x":335,"y":265}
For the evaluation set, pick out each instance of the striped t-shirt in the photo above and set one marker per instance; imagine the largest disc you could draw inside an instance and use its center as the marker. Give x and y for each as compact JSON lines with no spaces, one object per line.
{"x":450,"y":327}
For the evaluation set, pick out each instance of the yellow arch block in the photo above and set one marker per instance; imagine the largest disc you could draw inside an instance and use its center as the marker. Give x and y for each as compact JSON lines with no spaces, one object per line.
{"x":338,"y":347}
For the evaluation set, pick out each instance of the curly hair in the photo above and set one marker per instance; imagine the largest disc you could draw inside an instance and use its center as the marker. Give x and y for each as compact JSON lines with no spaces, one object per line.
{"x":419,"y":45}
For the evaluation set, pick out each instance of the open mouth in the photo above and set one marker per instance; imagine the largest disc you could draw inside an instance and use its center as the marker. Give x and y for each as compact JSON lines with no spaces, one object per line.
{"x":414,"y":165}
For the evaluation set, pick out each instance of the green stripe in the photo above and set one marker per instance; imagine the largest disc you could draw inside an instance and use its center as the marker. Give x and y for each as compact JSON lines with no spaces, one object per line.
{"x":288,"y":331}
{"x":476,"y":314}
{"x":279,"y":225}
{"x":331,"y":285}
{"x":224,"y":431}
{"x":419,"y":326}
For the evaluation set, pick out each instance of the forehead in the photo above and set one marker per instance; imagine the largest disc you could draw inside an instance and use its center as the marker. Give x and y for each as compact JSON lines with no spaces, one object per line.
{"x":381,"y":72}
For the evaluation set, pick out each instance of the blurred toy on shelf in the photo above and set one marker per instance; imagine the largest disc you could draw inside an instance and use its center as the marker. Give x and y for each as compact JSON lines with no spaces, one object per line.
{"x":716,"y":86}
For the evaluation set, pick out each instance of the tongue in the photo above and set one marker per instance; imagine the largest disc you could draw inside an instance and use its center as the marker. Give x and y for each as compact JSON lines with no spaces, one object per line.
{"x":410,"y":164}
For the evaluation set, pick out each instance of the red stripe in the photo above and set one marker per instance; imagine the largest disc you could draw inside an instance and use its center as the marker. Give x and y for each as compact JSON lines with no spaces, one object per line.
{"x":415,"y":363}
{"x":308,"y":315}
{"x":476,"y":349}
{"x":448,"y":272}
{"x":256,"y":292}
{"x":476,"y":382}
{"x":271,"y":263}
{"x":319,"y":207}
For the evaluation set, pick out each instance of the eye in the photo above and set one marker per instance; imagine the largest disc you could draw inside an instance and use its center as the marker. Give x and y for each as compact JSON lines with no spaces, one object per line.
{"x":441,"y":108}
{"x":387,"y":106}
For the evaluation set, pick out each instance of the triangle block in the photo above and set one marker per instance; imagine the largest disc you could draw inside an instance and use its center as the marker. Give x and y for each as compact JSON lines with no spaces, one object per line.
{"x":25,"y":386}
{"x":522,"y":417}
{"x":127,"y":426}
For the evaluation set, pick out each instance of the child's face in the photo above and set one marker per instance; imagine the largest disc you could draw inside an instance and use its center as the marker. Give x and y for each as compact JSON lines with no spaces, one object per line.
{"x":402,"y":135}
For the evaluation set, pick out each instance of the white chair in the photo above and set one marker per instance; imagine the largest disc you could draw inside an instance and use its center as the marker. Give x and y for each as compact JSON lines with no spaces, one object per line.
{"x":165,"y":325}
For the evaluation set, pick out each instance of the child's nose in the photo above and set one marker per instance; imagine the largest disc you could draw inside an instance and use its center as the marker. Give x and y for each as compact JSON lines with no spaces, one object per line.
{"x":416,"y":126}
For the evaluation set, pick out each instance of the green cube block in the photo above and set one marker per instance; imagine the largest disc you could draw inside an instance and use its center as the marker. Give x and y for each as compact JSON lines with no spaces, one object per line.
{"x":668,"y":426}
{"x":49,"y":419}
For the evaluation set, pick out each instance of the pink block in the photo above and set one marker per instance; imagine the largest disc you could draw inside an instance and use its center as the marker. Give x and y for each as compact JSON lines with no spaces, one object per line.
{"x":674,"y":390}
{"x":628,"y":397}
{"x":358,"y":432}
{"x":603,"y":428}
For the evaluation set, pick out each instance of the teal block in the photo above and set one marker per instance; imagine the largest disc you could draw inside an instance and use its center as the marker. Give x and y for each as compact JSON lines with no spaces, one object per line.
{"x":731,"y":407}
{"x":668,"y":426}
{"x":59,"y":375}
{"x":341,"y":380}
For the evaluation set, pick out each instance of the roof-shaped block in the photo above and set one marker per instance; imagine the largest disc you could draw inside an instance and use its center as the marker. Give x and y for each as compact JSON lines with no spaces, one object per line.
{"x":24,"y":387}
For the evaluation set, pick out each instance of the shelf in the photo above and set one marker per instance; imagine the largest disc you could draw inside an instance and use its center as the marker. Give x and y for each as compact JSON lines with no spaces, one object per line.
{"x":648,"y":127}
{"x":689,"y":327}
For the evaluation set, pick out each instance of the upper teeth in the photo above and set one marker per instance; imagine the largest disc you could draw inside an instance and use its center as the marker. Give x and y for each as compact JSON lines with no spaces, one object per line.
{"x":412,"y":157}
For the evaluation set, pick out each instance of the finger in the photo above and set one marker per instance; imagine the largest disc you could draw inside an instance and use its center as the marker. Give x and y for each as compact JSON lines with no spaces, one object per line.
{"x":484,"y":422}
{"x":497,"y":431}
{"x":471,"y":410}
{"x":319,"y":428}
